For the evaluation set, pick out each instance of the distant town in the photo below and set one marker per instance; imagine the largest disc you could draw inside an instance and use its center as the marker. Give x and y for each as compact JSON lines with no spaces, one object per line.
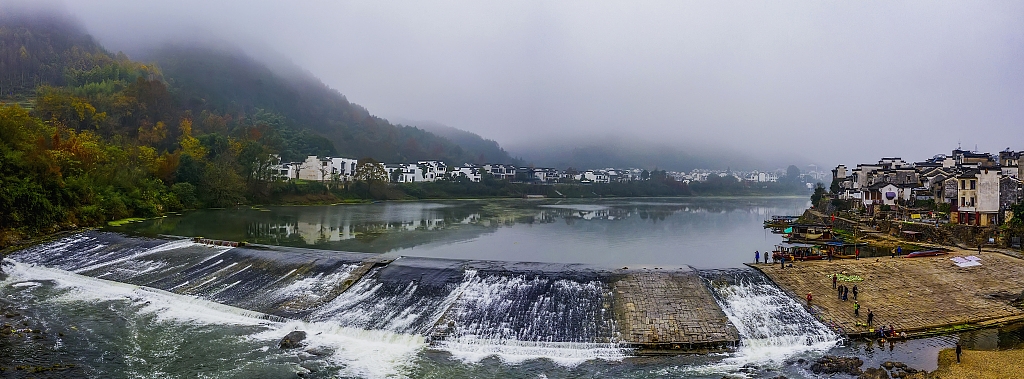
{"x":342,"y":170}
{"x":964,"y":187}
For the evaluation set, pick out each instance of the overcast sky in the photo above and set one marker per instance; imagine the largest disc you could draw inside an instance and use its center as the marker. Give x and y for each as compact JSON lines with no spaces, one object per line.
{"x":835,"y":81}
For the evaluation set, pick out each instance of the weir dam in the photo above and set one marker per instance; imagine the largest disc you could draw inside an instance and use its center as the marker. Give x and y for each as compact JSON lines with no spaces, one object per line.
{"x":484,"y":307}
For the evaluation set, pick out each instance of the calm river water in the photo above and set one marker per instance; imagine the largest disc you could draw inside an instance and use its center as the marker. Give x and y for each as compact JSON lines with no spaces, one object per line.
{"x":132,"y":302}
{"x":702,"y":232}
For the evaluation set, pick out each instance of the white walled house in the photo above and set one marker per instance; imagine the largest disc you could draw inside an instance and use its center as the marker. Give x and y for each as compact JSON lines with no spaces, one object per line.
{"x":468,"y":171}
{"x":432,"y":170}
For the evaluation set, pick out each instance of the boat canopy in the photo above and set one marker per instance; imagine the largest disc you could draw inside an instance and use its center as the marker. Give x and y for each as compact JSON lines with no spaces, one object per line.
{"x":790,"y":244}
{"x":843,"y":244}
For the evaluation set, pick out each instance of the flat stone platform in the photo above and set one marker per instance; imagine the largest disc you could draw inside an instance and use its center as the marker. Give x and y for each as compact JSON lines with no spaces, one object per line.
{"x":670,"y":312}
{"x":919,"y":296}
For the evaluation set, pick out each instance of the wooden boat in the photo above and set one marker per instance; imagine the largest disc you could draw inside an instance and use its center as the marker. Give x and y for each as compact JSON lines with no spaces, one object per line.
{"x":926,"y":253}
{"x":779,"y":222}
{"x":811,"y":233}
{"x":842,"y":250}
{"x":797,"y":252}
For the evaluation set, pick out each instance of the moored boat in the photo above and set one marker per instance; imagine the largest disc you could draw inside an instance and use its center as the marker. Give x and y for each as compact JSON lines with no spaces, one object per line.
{"x":926,"y":253}
{"x":797,"y":252}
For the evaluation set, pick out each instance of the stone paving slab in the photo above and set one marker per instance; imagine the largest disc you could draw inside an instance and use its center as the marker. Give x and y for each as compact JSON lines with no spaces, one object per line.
{"x":670,"y":310}
{"x":919,"y":296}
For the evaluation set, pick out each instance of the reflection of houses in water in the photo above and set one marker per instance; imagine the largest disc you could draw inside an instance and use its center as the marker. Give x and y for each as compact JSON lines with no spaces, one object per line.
{"x":549,"y":215}
{"x":315,"y":232}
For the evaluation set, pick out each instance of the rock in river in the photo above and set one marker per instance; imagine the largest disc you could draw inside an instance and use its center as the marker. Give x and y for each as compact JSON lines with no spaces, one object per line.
{"x":831,"y":364}
{"x":293,"y":339}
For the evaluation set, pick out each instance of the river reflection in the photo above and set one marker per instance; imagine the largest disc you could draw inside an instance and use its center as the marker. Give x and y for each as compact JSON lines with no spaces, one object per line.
{"x":706,"y":233}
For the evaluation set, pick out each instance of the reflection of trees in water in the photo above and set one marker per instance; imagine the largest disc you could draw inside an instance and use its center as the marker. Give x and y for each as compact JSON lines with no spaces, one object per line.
{"x":483,"y":216}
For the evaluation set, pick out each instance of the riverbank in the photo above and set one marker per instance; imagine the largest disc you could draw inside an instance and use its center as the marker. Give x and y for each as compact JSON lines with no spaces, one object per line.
{"x":918,"y":296}
{"x":980,"y":364}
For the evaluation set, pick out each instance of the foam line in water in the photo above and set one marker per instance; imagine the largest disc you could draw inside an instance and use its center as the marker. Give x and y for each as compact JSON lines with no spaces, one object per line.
{"x":569,"y":354}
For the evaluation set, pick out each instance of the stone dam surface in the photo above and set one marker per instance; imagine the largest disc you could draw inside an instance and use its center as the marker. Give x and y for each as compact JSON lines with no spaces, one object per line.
{"x":652,"y":311}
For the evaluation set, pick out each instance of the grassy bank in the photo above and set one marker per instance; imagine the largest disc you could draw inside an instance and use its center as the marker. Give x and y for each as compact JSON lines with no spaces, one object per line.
{"x":980,"y":364}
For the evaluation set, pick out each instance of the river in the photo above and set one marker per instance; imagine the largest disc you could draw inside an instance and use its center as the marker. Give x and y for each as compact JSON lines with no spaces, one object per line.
{"x":520,"y":289}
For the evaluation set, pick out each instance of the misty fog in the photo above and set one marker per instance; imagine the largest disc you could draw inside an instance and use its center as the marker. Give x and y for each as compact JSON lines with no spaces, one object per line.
{"x":809,"y":82}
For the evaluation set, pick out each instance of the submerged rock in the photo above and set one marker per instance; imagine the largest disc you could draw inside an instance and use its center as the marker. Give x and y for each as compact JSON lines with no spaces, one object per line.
{"x":874,"y":373}
{"x":293,"y":340}
{"x":830,"y":364}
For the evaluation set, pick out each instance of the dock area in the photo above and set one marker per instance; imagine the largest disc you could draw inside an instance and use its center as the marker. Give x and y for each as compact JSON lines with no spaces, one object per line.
{"x":918,"y":296}
{"x":670,"y":312}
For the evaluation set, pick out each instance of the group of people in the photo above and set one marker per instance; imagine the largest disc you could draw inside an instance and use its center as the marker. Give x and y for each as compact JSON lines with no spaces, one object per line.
{"x":842,"y":290}
{"x":757,"y":257}
{"x":768,"y":259}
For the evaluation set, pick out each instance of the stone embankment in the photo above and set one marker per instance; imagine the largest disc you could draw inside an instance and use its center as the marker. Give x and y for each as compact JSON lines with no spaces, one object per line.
{"x":918,"y":296}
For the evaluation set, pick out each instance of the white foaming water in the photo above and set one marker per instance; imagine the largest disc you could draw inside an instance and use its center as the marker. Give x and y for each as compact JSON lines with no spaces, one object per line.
{"x":163,"y":304}
{"x":569,"y":354}
{"x":493,"y":315}
{"x":362,"y":353}
{"x":311,"y":287}
{"x":173,"y":245}
{"x":772,"y":327}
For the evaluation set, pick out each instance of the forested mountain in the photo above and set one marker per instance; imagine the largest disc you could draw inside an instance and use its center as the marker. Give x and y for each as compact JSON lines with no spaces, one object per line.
{"x":229,"y":82}
{"x":88,"y":136}
{"x":487,"y":151}
{"x":43,"y":48}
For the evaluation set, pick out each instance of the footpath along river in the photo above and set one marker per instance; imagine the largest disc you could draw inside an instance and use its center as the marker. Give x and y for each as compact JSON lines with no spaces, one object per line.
{"x":495,"y":288}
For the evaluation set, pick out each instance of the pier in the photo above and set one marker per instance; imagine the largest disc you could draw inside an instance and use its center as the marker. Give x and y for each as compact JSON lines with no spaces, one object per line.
{"x":918,"y":296}
{"x":670,"y":312}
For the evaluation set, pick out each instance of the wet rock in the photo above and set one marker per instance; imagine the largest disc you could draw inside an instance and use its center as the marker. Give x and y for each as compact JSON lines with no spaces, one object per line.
{"x":320,"y":351}
{"x":779,"y":377}
{"x":888,"y":365}
{"x":830,"y":364}
{"x":900,"y":365}
{"x":874,"y":373}
{"x":312,"y":366}
{"x":293,"y":339}
{"x":801,"y":361}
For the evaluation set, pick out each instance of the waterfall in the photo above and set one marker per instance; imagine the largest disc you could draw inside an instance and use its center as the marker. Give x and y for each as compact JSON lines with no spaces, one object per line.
{"x":773,"y":327}
{"x":518,"y":317}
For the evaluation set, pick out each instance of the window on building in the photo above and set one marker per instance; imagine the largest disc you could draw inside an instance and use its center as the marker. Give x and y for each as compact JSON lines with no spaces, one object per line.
{"x":973,"y":183}
{"x":972,"y":201}
{"x":963,"y":184}
{"x":963,"y":201}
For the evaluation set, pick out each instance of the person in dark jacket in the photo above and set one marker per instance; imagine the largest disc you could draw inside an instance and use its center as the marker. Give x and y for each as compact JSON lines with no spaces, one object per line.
{"x":854,"y":292}
{"x":958,"y":352}
{"x":871,"y":316}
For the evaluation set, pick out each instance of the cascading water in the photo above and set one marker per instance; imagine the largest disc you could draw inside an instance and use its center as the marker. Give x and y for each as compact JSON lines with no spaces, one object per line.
{"x":773,"y":327}
{"x":519,"y":317}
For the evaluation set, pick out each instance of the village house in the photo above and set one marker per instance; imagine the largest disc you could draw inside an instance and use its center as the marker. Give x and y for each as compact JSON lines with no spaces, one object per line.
{"x":468,"y":171}
{"x":501,"y":171}
{"x":979,"y":187}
